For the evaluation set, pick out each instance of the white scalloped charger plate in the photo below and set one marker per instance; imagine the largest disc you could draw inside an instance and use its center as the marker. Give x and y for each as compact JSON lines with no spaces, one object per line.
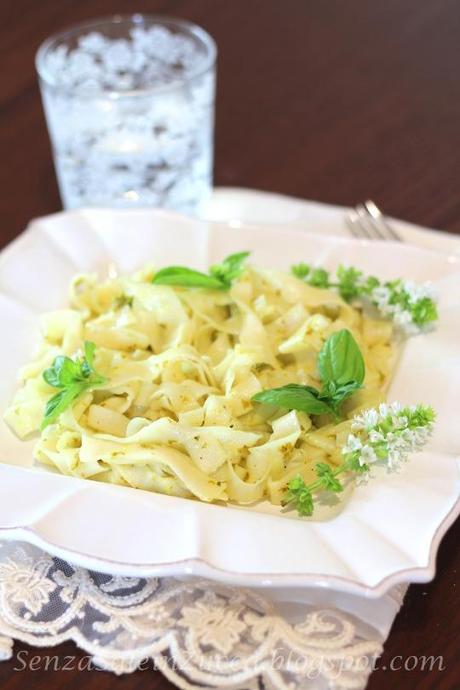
{"x":389,"y":530}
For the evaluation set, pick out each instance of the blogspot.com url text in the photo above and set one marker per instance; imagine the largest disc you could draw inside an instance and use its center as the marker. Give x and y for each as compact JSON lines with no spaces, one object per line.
{"x":25,"y":660}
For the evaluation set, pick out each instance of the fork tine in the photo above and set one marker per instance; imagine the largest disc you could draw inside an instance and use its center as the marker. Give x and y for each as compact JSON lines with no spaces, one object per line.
{"x":379,"y":222}
{"x":374,"y":229}
{"x":355,"y":226}
{"x":367,"y":221}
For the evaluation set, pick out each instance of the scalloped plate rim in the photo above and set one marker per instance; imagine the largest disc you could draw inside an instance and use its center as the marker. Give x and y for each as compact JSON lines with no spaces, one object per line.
{"x":203,"y":568}
{"x":197,"y":567}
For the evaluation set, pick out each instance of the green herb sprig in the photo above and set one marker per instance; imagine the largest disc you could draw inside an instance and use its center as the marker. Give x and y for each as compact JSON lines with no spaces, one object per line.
{"x":72,"y":377}
{"x":382,"y":437}
{"x":220,"y":276}
{"x":341,"y":369}
{"x":411,"y":306}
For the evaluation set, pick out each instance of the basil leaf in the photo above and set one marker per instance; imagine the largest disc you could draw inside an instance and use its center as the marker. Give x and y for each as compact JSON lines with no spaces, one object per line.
{"x":52,"y":377}
{"x":59,"y":402}
{"x":327,"y":478}
{"x":87,"y":366}
{"x":344,"y":392}
{"x":349,"y":285}
{"x":424,"y":311}
{"x":63,"y":372}
{"x":340,"y":361}
{"x":294,"y":397}
{"x":299,"y":496}
{"x":300,"y":270}
{"x":186,"y":277}
{"x":73,"y":377}
{"x":220,"y":276}
{"x":319,"y":278}
{"x":230,"y":268}
{"x":341,"y":366}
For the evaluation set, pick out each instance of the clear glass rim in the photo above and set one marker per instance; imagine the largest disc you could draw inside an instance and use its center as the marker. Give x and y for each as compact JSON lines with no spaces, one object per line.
{"x":137,"y":18}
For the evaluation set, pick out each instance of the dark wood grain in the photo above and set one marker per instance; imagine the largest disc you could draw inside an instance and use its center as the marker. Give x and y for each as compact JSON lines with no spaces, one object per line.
{"x":334,"y":100}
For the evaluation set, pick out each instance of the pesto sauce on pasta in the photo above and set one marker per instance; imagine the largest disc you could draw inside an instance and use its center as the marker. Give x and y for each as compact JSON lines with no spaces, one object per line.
{"x":182,"y":365}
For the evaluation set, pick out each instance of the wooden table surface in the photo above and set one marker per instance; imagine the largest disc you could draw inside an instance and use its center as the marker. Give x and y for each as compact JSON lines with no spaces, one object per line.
{"x":333,"y":100}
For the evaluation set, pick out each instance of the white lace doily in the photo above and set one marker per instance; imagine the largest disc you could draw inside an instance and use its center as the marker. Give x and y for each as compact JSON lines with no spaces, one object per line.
{"x":198,"y":633}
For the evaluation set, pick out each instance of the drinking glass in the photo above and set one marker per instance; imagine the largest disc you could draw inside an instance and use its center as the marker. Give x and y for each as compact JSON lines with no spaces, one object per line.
{"x":129,"y":103}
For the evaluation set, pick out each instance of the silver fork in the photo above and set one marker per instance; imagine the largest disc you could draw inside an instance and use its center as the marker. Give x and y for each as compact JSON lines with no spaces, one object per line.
{"x":367,"y":221}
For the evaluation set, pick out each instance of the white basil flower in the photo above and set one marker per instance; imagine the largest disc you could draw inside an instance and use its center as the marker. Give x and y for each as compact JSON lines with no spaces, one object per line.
{"x":367,"y":455}
{"x":395,"y":432}
{"x":353,"y":444}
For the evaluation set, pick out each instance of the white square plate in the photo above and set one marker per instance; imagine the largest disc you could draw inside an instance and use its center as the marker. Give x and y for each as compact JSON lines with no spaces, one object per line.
{"x":389,"y":530}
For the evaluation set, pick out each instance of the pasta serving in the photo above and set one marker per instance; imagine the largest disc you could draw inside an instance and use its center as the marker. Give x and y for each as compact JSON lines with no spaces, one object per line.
{"x":174,"y":411}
